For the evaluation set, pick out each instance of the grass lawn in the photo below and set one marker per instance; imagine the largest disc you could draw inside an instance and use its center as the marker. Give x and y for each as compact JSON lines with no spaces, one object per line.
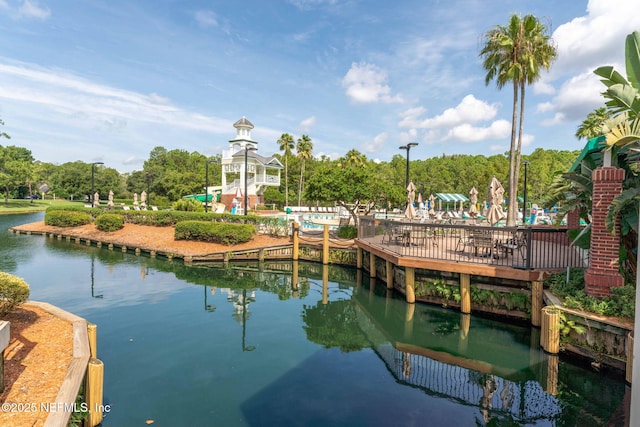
{"x":15,"y":206}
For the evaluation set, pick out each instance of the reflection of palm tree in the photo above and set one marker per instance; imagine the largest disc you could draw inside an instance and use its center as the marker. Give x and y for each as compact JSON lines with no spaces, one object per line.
{"x":489,"y":387}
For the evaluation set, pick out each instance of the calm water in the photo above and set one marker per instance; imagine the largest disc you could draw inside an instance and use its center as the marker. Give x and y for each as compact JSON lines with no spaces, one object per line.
{"x":246,"y":346}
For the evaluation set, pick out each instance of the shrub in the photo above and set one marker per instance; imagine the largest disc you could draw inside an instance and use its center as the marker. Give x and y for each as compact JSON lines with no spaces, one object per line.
{"x":13,"y":292}
{"x":216,"y":232}
{"x":63,"y":218}
{"x":109,"y":222}
{"x":189,"y":205}
{"x":347,"y":232}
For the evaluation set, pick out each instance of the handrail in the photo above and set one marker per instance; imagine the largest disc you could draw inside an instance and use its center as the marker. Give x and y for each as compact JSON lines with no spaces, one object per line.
{"x":525,"y":248}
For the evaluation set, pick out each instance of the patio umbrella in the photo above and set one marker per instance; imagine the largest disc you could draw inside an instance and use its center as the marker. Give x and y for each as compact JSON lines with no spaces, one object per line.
{"x":410,"y":212}
{"x":420,"y":201}
{"x":473,"y":200}
{"x":496,"y":198}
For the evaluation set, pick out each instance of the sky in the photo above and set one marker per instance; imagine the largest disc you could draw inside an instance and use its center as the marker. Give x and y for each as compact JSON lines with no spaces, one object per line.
{"x":109,"y":80}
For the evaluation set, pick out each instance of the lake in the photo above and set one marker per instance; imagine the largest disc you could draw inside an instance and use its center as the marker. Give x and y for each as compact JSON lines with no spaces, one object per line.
{"x":298,"y":344}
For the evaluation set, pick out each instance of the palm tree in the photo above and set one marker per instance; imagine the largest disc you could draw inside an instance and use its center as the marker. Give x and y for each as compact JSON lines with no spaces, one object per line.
{"x":591,"y":126}
{"x":515,"y":53}
{"x":304,"y":147}
{"x":353,"y":158}
{"x":286,"y":144}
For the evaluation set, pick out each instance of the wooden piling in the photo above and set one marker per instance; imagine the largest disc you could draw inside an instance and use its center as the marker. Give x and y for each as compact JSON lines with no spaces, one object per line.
{"x":465,"y":293}
{"x":325,"y":244}
{"x":372,"y":264}
{"x":359,"y":258}
{"x":389,"y":271}
{"x":296,"y":240}
{"x":410,"y":280}
{"x":537,"y":288}
{"x":94,"y":391}
{"x":550,"y":334}
{"x":325,"y":284}
{"x":92,"y":331}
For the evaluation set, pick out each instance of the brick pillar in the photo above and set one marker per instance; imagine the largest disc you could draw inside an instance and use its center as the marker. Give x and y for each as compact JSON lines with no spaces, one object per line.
{"x":573,"y":219}
{"x":602,"y":274}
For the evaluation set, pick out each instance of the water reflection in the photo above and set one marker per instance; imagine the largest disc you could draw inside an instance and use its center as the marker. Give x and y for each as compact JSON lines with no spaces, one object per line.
{"x":319,"y":345}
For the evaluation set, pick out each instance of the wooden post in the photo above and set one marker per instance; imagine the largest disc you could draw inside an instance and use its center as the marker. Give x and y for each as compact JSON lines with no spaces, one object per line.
{"x":410,"y":280}
{"x":325,"y":245}
{"x":372,"y":264}
{"x":536,"y":302}
{"x":550,"y":334}
{"x":261,"y":255}
{"x":296,"y":240}
{"x":92,"y":330}
{"x":359,"y":258}
{"x":93,"y":395}
{"x":389,"y":272}
{"x":465,"y":293}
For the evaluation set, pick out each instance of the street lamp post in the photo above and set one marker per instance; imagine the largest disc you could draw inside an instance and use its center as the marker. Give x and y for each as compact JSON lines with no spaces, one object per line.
{"x":93,"y":172}
{"x":524,"y":194}
{"x":408,"y":148}
{"x":206,"y":185}
{"x":246,"y":152}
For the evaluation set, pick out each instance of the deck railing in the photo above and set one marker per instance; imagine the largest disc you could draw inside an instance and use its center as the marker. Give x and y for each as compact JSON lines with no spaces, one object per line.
{"x":516,"y":247}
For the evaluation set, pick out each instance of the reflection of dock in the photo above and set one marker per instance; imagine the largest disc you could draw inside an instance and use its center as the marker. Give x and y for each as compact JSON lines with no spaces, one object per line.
{"x":523,"y":401}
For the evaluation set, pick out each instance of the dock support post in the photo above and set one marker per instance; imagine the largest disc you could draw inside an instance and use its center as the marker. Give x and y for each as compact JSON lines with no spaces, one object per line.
{"x":536,"y":302}
{"x":629,"y":368}
{"x":410,"y":279}
{"x":550,"y":330}
{"x":389,"y":275}
{"x":92,"y":331}
{"x":296,"y":240}
{"x":94,"y":391}
{"x":261,"y":255}
{"x":372,"y":264}
{"x":325,"y":284}
{"x":325,"y":245}
{"x":465,"y":293}
{"x":359,"y":258}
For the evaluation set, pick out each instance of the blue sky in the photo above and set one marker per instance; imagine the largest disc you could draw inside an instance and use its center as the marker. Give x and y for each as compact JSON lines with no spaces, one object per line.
{"x":109,"y":80}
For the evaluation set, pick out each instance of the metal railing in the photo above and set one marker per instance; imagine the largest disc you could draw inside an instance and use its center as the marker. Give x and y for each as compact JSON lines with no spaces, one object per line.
{"x":516,"y":247}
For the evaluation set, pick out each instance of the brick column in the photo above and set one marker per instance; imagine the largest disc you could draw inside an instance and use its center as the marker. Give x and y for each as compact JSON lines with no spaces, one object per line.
{"x":573,"y":219}
{"x":602,"y":274}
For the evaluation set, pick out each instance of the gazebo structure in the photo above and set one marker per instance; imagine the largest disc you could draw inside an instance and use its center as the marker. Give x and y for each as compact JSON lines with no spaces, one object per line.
{"x":242,"y":160}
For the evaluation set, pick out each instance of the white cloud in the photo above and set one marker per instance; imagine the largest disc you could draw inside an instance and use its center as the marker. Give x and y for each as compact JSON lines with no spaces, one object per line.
{"x":469,"y":110}
{"x":543,"y":88}
{"x":597,"y":38}
{"x":206,"y":18}
{"x":31,"y":9}
{"x":367,"y":83}
{"x":309,"y":4}
{"x":308,"y":123}
{"x":468,"y":133}
{"x":378,"y":143}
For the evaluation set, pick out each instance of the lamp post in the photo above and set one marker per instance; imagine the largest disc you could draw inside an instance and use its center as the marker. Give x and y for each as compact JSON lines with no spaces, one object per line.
{"x":524,"y":193}
{"x":246,"y":152}
{"x":206,"y":185}
{"x":408,"y":148}
{"x":93,"y":172}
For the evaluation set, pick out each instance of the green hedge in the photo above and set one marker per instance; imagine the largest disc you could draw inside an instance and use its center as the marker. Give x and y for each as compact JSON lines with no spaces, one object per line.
{"x":64,"y":218}
{"x":216,"y":232}
{"x":109,"y":222}
{"x":266,"y":225}
{"x":13,"y":292}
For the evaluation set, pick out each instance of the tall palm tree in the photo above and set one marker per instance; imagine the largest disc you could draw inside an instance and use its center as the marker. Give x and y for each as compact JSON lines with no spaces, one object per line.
{"x":515,"y":54}
{"x":591,"y":126}
{"x":304,"y":147}
{"x":286,"y":144}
